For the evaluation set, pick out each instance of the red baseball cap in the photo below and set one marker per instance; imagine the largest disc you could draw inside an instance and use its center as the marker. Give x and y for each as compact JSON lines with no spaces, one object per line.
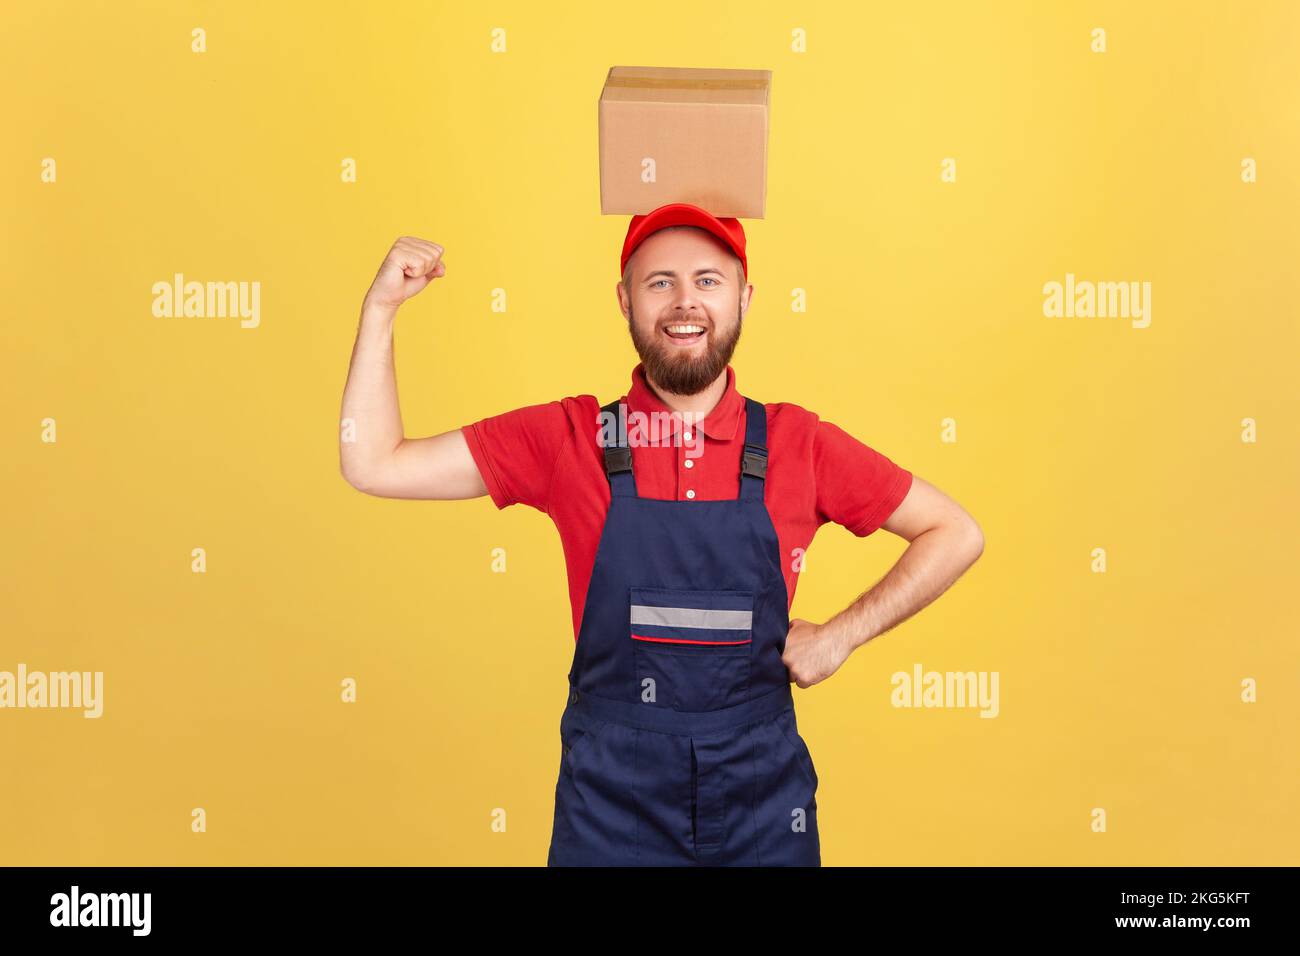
{"x":730,"y":231}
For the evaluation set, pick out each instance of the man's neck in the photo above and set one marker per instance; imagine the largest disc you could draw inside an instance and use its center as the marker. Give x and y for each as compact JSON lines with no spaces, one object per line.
{"x":698,"y":405}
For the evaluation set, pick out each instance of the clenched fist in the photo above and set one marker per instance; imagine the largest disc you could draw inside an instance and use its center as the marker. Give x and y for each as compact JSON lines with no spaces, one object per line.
{"x":811,"y":653}
{"x":409,"y":266}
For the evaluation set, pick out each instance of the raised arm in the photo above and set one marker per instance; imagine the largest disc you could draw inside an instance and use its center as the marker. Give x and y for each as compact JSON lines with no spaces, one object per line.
{"x":374,"y":454}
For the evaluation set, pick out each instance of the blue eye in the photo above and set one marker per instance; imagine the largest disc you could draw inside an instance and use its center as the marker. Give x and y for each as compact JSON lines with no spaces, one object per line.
{"x":711,"y":279}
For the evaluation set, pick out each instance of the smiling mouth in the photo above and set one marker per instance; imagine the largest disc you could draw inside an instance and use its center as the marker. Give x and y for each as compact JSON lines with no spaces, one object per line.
{"x":684,"y":333}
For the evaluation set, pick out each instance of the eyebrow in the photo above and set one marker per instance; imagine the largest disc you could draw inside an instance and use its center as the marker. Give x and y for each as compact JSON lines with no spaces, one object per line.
{"x":669,"y":272}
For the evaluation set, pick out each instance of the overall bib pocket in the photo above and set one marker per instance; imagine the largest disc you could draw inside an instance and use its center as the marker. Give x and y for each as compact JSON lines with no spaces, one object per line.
{"x":691,"y":648}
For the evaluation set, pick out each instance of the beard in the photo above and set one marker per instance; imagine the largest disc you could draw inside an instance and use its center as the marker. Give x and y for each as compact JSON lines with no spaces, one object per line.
{"x":683,"y":374}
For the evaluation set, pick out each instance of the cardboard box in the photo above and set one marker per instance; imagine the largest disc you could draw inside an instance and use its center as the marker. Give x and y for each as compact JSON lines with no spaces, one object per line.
{"x":674,"y":134}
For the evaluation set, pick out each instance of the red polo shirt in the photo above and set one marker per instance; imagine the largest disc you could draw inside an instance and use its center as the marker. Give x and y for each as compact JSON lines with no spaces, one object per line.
{"x":548,"y":457}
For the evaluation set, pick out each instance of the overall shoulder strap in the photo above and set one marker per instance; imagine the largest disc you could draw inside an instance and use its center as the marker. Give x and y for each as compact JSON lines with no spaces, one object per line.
{"x":618,"y":456}
{"x":753,"y":457}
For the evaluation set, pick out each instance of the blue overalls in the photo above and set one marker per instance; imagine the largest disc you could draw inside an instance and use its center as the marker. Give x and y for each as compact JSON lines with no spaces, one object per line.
{"x":679,"y":745}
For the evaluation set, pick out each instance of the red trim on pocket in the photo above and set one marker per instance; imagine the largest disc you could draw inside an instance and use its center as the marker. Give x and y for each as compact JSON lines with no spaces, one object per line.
{"x":680,"y":640}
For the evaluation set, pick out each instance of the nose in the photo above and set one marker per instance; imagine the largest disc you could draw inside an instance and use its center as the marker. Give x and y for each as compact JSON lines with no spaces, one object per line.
{"x":686,"y":299}
{"x":687,"y":312}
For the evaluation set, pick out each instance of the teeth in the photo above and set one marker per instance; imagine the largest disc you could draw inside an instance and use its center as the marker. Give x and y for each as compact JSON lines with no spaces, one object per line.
{"x":685,"y":328}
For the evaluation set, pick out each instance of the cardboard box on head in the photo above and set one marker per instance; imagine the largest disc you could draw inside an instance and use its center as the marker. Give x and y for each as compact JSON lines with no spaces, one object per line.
{"x":678,"y":134}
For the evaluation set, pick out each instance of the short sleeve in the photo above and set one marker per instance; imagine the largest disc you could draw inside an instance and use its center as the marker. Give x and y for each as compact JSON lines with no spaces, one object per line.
{"x":857,"y":486}
{"x":517,"y":451}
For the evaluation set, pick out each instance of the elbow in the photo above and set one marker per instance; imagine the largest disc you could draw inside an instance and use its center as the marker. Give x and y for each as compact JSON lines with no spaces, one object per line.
{"x":357,"y":478}
{"x":974,"y":537}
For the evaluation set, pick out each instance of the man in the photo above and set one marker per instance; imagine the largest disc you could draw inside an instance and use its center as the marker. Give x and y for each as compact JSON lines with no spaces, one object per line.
{"x":684,"y":510}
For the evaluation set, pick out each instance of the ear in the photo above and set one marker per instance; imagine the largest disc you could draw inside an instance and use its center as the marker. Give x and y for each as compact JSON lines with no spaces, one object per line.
{"x":622,"y":300}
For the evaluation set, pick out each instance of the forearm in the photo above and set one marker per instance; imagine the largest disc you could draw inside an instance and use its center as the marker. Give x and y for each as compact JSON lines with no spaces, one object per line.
{"x":371,"y":419}
{"x":933,"y":561}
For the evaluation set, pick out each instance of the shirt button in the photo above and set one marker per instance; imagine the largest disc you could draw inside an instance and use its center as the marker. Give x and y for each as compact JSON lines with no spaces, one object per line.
{"x":686,"y":436}
{"x":690,"y":463}
{"x":690,"y":492}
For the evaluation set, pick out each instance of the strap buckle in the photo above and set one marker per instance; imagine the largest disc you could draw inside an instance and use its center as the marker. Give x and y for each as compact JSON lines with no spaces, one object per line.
{"x":754,"y":461}
{"x":618,"y":459}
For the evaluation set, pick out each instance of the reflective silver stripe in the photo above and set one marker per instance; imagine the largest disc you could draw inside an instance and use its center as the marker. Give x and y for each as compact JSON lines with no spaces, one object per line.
{"x":692,"y":617}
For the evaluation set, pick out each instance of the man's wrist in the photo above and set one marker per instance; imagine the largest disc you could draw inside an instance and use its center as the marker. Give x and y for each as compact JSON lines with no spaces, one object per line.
{"x":377,"y":312}
{"x":841,"y":630}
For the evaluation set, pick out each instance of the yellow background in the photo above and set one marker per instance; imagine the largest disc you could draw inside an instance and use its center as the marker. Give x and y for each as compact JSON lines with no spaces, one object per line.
{"x":1118,"y":690}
